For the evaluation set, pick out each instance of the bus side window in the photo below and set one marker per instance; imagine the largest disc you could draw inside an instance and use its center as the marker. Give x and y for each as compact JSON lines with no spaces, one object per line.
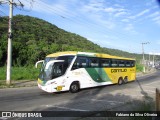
{"x":105,"y":62}
{"x":128,"y":64}
{"x":132,"y":63}
{"x":70,"y":58}
{"x":81,"y":62}
{"x":121,"y":63}
{"x":94,"y":62}
{"x":114,"y":63}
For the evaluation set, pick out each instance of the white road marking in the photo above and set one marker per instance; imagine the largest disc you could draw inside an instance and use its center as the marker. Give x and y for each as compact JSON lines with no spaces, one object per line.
{"x":133,"y":95}
{"x":152,"y":91}
{"x":66,"y":108}
{"x":3,"y":118}
{"x":72,"y":109}
{"x":147,"y":86}
{"x":107,"y":101}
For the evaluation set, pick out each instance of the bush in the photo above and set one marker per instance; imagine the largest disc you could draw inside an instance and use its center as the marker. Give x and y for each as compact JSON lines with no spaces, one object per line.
{"x":20,"y":73}
{"x":139,"y":67}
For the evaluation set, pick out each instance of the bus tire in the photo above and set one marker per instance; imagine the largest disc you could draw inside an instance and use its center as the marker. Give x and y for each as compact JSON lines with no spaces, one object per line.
{"x":74,"y":87}
{"x":120,"y":81}
{"x":125,"y":79}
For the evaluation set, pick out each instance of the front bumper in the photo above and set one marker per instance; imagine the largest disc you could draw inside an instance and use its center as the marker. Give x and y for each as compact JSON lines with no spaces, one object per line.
{"x":47,"y":88}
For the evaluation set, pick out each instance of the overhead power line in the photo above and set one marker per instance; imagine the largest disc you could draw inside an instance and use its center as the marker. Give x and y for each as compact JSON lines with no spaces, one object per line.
{"x":79,"y":20}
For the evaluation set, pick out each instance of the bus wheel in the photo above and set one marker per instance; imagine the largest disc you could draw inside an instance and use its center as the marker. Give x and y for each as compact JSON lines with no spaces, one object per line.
{"x":74,"y":87}
{"x":120,"y":81}
{"x":125,"y":80}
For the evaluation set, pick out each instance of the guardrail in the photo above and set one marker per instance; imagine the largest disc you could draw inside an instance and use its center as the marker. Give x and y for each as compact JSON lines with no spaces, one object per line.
{"x":157,"y":99}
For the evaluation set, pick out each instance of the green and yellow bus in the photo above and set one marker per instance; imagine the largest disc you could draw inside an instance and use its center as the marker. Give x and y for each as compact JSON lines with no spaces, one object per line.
{"x":72,"y":71}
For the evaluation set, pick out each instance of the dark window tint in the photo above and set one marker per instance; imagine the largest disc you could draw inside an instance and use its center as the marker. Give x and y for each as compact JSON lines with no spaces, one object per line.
{"x":132,"y":63}
{"x":121,"y":63}
{"x":114,"y":63}
{"x":128,"y":63}
{"x":105,"y":62}
{"x":58,"y":69}
{"x":93,"y":62}
{"x":81,"y":62}
{"x":67,"y":59}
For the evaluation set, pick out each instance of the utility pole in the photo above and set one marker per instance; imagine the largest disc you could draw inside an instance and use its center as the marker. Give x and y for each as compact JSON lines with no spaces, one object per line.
{"x":10,"y":36}
{"x":143,"y":60}
{"x":9,"y":55}
{"x":153,"y":60}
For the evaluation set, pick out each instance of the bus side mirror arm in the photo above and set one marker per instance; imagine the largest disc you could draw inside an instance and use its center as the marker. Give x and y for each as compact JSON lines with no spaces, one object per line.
{"x":38,"y":63}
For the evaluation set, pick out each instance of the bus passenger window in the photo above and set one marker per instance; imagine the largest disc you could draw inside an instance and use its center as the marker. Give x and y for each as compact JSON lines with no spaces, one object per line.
{"x":114,"y":63}
{"x":94,"y":62}
{"x":128,"y":64}
{"x":81,"y":62}
{"x":132,"y":63}
{"x":121,"y":63}
{"x":105,"y":62}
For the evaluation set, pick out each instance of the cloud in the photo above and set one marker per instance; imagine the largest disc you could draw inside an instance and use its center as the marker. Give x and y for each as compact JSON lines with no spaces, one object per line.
{"x":106,"y":23}
{"x":114,"y":10}
{"x":92,"y":6}
{"x":150,"y":3}
{"x":143,"y":12}
{"x":129,"y":27}
{"x":120,"y":14}
{"x":155,"y":17}
{"x":125,"y":20}
{"x":157,"y":13}
{"x":139,"y":14}
{"x":58,"y":8}
{"x":110,"y":10}
{"x":156,"y":20}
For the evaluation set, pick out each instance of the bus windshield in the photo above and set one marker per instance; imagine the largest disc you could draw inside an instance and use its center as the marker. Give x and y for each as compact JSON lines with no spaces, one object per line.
{"x":52,"y":69}
{"x":47,"y":59}
{"x":55,"y":67}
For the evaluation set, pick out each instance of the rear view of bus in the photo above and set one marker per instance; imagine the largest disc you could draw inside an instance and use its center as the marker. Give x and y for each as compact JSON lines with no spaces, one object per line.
{"x":72,"y":71}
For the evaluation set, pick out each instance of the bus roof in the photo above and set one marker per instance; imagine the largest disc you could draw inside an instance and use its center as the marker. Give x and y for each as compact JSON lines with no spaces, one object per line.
{"x":87,"y":54}
{"x":62,"y":53}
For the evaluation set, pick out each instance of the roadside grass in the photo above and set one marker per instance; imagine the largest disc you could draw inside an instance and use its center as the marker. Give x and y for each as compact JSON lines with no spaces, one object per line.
{"x":139,"y":68}
{"x":20,"y":73}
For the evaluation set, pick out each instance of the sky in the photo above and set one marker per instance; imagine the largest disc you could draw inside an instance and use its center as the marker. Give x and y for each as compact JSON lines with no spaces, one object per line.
{"x":117,"y":24}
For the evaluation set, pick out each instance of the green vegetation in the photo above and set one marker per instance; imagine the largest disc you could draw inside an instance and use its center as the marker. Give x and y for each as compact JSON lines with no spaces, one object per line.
{"x":34,"y":38}
{"x":139,"y":67}
{"x":20,"y":73}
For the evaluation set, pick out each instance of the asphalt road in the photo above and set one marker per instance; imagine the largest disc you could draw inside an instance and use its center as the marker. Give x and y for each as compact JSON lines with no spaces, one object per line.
{"x":112,"y":97}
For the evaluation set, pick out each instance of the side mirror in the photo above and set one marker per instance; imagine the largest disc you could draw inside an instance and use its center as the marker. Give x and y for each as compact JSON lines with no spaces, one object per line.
{"x":38,"y":63}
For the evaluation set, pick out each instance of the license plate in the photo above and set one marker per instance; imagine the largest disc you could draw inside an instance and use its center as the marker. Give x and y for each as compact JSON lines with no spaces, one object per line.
{"x":59,"y":88}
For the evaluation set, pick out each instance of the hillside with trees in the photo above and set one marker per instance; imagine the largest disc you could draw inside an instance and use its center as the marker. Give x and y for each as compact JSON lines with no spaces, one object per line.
{"x":34,"y":38}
